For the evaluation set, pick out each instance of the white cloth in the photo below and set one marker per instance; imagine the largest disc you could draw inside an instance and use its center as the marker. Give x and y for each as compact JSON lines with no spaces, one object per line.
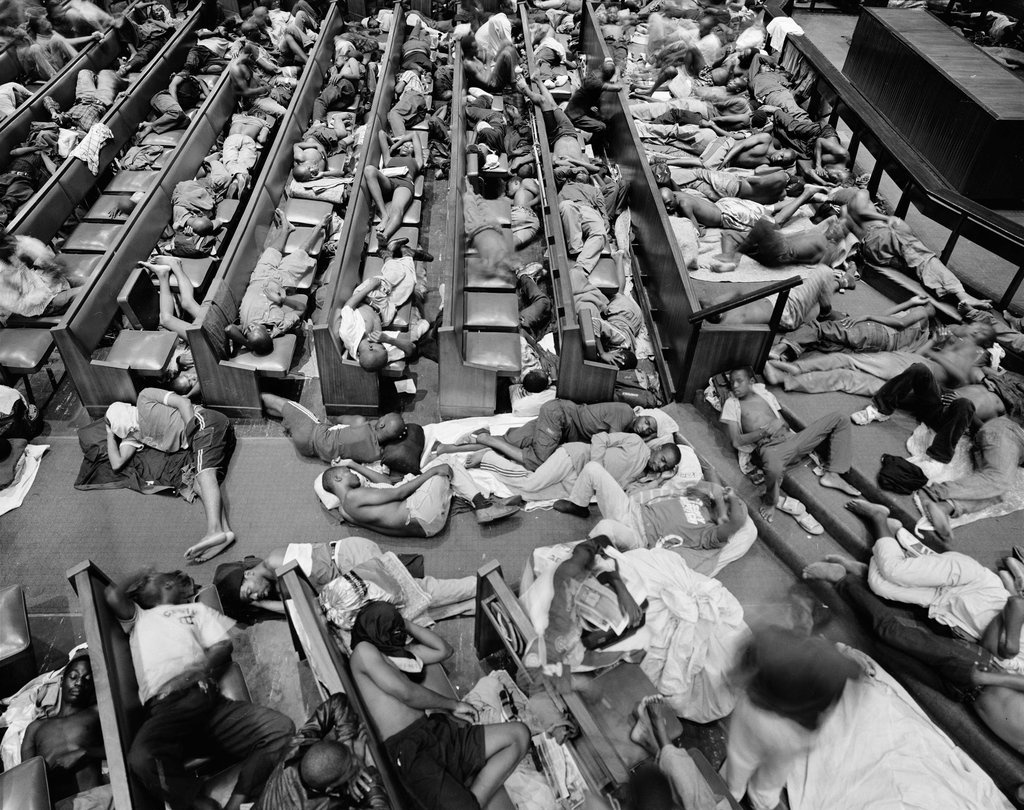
{"x":9,"y":397}
{"x":13,"y":495}
{"x":781,"y":27}
{"x":88,"y":151}
{"x":493,"y":35}
{"x":879,"y":751}
{"x":122,"y":418}
{"x":169,"y":640}
{"x":352,"y":330}
{"x":731,"y":413}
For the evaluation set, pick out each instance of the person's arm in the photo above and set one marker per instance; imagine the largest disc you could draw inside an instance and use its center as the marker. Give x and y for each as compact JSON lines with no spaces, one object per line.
{"x":18,"y":151}
{"x":742,"y":146}
{"x":627,"y":603}
{"x":217,"y":658}
{"x":739,"y":438}
{"x":736,"y":516}
{"x":366,"y":472}
{"x":715,"y":493}
{"x":182,"y":404}
{"x":374,"y":496}
{"x":385,"y":145}
{"x":172,"y":88}
{"x":123,"y":607}
{"x":28,"y":742}
{"x":272,"y":605}
{"x":369,"y":661}
{"x":428,"y":645}
{"x":119,"y":453}
{"x":359,"y":293}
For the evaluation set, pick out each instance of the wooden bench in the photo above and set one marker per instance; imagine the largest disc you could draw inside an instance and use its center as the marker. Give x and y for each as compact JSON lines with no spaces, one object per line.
{"x":470,"y":360}
{"x":582,"y":375}
{"x":23,"y":354}
{"x":688,"y":349}
{"x":101,"y":381}
{"x":117,"y":691}
{"x":344,"y":385}
{"x":603,"y":749}
{"x":231,"y":384}
{"x":94,"y":56}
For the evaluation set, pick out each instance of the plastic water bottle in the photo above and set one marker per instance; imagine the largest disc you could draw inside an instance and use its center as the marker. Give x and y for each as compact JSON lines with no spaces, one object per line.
{"x":996,"y":355}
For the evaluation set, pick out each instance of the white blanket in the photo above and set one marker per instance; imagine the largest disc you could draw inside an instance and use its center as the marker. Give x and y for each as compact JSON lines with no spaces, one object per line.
{"x":14,"y":495}
{"x":879,"y":751}
{"x":959,"y":466}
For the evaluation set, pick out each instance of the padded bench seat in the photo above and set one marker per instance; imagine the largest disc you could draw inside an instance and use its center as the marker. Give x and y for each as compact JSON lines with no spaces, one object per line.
{"x":298,"y":237}
{"x":490,"y":310}
{"x":129,"y":181}
{"x":196,"y":270}
{"x":604,"y":276}
{"x":145,"y":352}
{"x":499,"y":351}
{"x":170,"y":138}
{"x":92,"y":237}
{"x":17,"y":657}
{"x":80,"y":266}
{"x":24,"y":351}
{"x":105,"y":209}
{"x":275,"y":364}
{"x":408,"y":232}
{"x":480,"y":277}
{"x":25,"y":787}
{"x":306,"y":212}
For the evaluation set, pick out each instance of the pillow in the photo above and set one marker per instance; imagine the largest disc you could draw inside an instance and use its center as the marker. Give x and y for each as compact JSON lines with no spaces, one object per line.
{"x":11,"y":451}
{"x":404,"y":456}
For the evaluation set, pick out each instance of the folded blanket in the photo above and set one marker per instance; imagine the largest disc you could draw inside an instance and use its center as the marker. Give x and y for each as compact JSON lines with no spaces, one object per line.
{"x":334,"y":190}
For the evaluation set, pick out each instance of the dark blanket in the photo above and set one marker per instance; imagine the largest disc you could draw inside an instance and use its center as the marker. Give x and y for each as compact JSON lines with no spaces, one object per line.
{"x":149,"y":471}
{"x":1010,"y":388}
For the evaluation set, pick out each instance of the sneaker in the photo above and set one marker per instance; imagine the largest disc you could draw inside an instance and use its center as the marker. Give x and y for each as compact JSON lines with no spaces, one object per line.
{"x":868,"y":415}
{"x":420,"y":255}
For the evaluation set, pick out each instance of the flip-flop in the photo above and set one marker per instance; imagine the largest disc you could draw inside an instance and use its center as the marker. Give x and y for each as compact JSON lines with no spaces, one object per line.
{"x":791,"y":506}
{"x":809,"y":524}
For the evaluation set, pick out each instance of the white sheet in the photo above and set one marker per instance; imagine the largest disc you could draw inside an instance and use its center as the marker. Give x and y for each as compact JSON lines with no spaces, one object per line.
{"x":14,"y":495}
{"x":879,"y":751}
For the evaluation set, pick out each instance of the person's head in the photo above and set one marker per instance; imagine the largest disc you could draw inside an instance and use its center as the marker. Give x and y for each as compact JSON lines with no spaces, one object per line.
{"x":155,"y":588}
{"x":759,"y":119}
{"x":740,"y":382}
{"x":258,"y":339}
{"x":646,"y":427}
{"x":202,"y":226}
{"x":527,"y":170}
{"x":706,"y":25}
{"x":303,"y":172}
{"x":513,"y":185}
{"x":390,"y":428}
{"x":372,"y":355}
{"x":981,"y":334}
{"x":837,"y":231}
{"x":260,"y":14}
{"x":664,"y":458}
{"x":250,"y":30}
{"x":39,"y":24}
{"x":184,"y":381}
{"x":336,"y":480}
{"x":669,"y":198}
{"x":76,"y":685}
{"x":624,"y":359}
{"x":535,"y":381}
{"x":737,"y":85}
{"x":406,"y":149}
{"x":582,"y":176}
{"x":327,"y":768}
{"x":585,"y":553}
{"x":382,"y":625}
{"x":781,"y":157}
{"x":242,"y":583}
{"x":608,"y":69}
{"x":795,"y":187}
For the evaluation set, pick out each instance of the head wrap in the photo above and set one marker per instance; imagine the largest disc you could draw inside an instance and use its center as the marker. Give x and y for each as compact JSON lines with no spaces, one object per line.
{"x":382,"y":625}
{"x":122,"y":418}
{"x":328,"y":499}
{"x":228,"y":581}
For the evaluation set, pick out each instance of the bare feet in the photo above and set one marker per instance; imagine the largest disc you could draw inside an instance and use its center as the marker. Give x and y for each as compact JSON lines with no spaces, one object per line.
{"x":850,"y":564}
{"x":475,"y":459}
{"x":832,"y":480}
{"x":767,"y":512}
{"x":824,"y":572}
{"x":939,"y":517}
{"x":209,"y":547}
{"x":643,"y":732}
{"x":867,"y":509}
{"x":773,"y":374}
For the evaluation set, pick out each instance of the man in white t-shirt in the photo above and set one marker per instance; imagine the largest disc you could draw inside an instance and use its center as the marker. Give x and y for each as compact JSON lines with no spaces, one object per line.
{"x":178,"y":650}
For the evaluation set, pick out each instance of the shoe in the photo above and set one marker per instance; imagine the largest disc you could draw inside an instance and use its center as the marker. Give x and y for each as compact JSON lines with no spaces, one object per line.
{"x":531,"y":269}
{"x":489,"y":514}
{"x":511,"y":500}
{"x":398,"y":243}
{"x":569,"y":508}
{"x":420,"y":255}
{"x":868,"y":415}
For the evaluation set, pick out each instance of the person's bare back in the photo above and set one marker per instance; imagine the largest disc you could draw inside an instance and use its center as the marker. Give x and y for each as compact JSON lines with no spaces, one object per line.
{"x":389,"y":714}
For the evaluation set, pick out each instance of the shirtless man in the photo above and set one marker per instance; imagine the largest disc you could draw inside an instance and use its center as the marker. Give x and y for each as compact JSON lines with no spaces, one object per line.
{"x":820,"y":244}
{"x":758,"y":150}
{"x":252,"y":92}
{"x":70,"y":741}
{"x":310,"y":154}
{"x":393,"y":194}
{"x":422,"y":503}
{"x":240,"y":149}
{"x":731,"y":212}
{"x":765,"y":187}
{"x":760,"y":434}
{"x":926,"y":395}
{"x":441,"y":760}
{"x":889,"y":242}
{"x":525,"y":194}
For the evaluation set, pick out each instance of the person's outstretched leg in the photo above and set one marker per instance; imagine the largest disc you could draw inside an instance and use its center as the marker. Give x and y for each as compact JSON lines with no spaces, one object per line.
{"x":169,"y":319}
{"x":217,"y":538}
{"x":952,"y":422}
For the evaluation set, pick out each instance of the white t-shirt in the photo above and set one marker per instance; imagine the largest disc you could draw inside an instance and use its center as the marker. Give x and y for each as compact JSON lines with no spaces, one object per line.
{"x":171,"y":639}
{"x":352,"y":330}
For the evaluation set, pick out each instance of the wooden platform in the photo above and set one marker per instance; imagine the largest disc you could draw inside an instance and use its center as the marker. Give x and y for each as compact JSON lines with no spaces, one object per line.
{"x":960,"y":108}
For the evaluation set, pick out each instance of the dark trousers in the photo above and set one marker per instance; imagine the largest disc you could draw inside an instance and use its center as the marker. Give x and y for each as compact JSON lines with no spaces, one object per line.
{"x":534,"y":305}
{"x":195,"y":722}
{"x":917,"y":391}
{"x":906,"y":628}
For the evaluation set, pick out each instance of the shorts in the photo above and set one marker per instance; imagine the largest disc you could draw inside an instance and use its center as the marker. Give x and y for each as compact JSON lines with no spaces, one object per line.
{"x":436,"y":757}
{"x":164,"y":104}
{"x":212,"y":440}
{"x":428,"y":507}
{"x":288,"y":270}
{"x":316,"y":439}
{"x":525,"y":224}
{"x":403,"y":181}
{"x":477,"y":215}
{"x":558,"y":125}
{"x":409,"y":105}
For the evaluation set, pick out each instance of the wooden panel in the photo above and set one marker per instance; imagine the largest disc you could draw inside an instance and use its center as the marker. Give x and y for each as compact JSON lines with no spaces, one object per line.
{"x":720,"y":347}
{"x":962,"y":110}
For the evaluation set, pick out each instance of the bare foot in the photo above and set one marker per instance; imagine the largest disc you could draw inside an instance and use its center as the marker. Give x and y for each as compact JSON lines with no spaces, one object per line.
{"x":767,"y":512}
{"x":787,"y":368}
{"x":643,"y":732}
{"x":850,"y":564}
{"x":940,"y":520}
{"x":209,"y":547}
{"x":475,"y":459}
{"x":832,"y":480}
{"x":772,"y":373}
{"x":866,"y":509}
{"x":824,"y":572}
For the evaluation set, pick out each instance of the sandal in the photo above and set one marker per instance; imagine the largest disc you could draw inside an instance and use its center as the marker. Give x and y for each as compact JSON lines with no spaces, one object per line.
{"x":809,"y":524}
{"x":791,"y":506}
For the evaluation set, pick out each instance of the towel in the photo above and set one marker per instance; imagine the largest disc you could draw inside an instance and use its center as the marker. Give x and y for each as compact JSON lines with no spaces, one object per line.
{"x":88,"y":151}
{"x":779,"y":29}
